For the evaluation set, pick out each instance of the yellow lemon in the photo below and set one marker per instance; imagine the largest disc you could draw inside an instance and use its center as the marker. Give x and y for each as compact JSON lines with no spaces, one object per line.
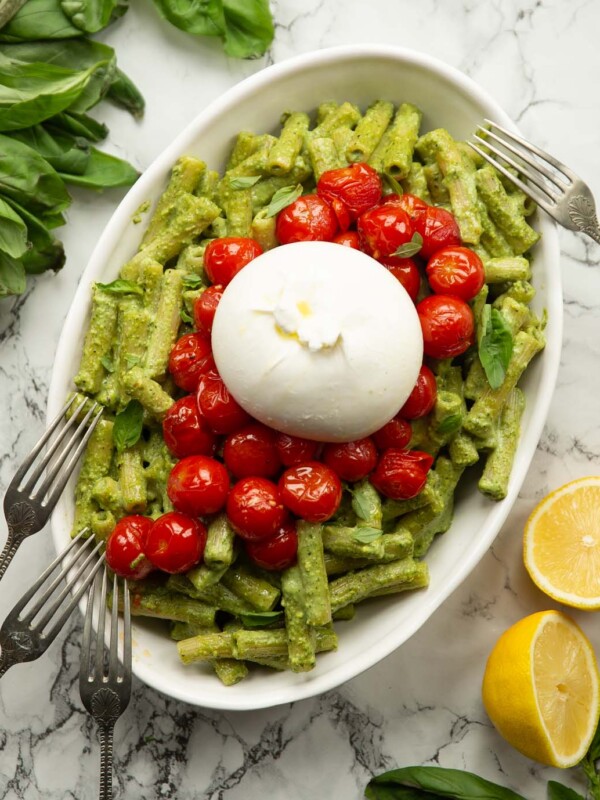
{"x":541,"y":688}
{"x":561,"y":547}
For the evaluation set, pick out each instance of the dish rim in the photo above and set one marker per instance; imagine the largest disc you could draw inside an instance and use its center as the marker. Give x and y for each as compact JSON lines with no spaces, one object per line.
{"x":529,"y":439}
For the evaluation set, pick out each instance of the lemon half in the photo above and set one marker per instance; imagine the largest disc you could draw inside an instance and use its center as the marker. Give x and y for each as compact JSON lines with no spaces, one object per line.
{"x":541,"y":688}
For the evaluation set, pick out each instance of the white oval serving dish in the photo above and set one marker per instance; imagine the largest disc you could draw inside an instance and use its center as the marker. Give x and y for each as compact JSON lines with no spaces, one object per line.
{"x":361,"y":74}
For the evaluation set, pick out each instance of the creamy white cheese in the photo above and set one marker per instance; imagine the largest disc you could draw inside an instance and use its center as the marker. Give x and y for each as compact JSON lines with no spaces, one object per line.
{"x":318,"y":340}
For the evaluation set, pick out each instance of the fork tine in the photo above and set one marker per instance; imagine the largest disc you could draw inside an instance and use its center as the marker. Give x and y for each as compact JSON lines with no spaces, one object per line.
{"x":529,"y":191}
{"x":537,"y":165}
{"x":126,"y":633}
{"x":86,"y":642}
{"x":50,"y":635}
{"x":99,"y":669}
{"x":18,"y":476}
{"x":522,"y":168}
{"x":537,"y":150}
{"x":56,"y":466}
{"x":113,"y":658}
{"x":52,"y":498}
{"x":50,"y":611}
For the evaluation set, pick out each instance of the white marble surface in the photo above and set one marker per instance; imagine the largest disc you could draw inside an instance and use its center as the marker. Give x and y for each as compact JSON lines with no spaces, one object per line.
{"x":422,"y":704}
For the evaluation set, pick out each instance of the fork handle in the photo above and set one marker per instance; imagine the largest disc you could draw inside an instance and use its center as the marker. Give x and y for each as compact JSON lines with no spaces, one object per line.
{"x":8,"y":552}
{"x":105,"y":733}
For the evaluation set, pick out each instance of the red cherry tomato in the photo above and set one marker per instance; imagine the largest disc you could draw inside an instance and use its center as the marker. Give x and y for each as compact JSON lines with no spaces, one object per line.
{"x":252,"y":451}
{"x":348,"y":239}
{"x":312,"y":491}
{"x":412,"y":204}
{"x":126,"y":545}
{"x":357,"y":186}
{"x":343,"y":216}
{"x":185,"y":431}
{"x":351,"y":461}
{"x":307,"y":219}
{"x":396,"y":433}
{"x":206,"y":306}
{"x":457,"y":271}
{"x":294,"y":449}
{"x":198,"y":485}
{"x":401,"y":474}
{"x":447,"y":325}
{"x":277,"y":552}
{"x":406,"y":271}
{"x":176,"y":542}
{"x":255,"y":508}
{"x":218,"y":406}
{"x":190,"y":358}
{"x":422,"y":398}
{"x":383,"y":229}
{"x":225,"y":257}
{"x":438,"y":229}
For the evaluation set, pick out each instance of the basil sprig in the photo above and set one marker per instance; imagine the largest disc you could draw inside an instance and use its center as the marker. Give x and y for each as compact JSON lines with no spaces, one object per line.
{"x":127,"y":427}
{"x":258,"y":619}
{"x":244,"y":181}
{"x":427,"y":783}
{"x":282,"y":198}
{"x":495,"y":345}
{"x":393,"y":184}
{"x":411,"y":248}
{"x":121,"y":286}
{"x":366,"y":534}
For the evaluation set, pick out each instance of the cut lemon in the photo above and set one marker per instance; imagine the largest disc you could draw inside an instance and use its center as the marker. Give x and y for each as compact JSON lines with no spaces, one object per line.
{"x":561,"y":548}
{"x":540,"y":688}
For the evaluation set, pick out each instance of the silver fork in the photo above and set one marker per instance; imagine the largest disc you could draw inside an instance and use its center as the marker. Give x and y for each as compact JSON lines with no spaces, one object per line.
{"x":32,"y":624}
{"x":29,"y":503}
{"x":558,"y":191}
{"x":104,"y":679}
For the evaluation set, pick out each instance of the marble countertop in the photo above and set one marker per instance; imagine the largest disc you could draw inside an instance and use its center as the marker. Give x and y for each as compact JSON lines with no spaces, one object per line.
{"x":422,"y":704}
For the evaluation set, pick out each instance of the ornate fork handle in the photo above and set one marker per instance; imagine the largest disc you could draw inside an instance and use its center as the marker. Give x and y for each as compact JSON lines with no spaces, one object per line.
{"x":105,"y":734}
{"x":20,"y":519}
{"x":583,"y":214}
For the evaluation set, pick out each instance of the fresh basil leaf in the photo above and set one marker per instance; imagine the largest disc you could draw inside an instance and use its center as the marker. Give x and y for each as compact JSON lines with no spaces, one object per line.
{"x":39,"y":19}
{"x":132,"y":361}
{"x":186,"y":317}
{"x":8,"y":9}
{"x":13,"y":232}
{"x":361,"y":506}
{"x":127,"y":427}
{"x":558,"y":791}
{"x":12,"y":276}
{"x":430,"y":782}
{"x":92,"y":16}
{"x":393,"y":184}
{"x":200,"y":18}
{"x":450,"y":424}
{"x":282,"y":198}
{"x":410,"y":248}
{"x":121,"y":286}
{"x":28,"y":179}
{"x":192,"y":281}
{"x":103,"y":171}
{"x":258,"y":619}
{"x":495,"y":345}
{"x":366,"y":535}
{"x":249,"y":28}
{"x":124,"y":93}
{"x":46,"y":252}
{"x":244,"y":182}
{"x":64,"y":153}
{"x":78,"y":125}
{"x":107,"y":363}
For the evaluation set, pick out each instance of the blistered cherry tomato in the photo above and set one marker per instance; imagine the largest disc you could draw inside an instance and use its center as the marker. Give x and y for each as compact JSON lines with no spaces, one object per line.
{"x":342,"y":215}
{"x":438,"y":228}
{"x":457,"y":271}
{"x":351,"y":461}
{"x":312,"y":491}
{"x":447,"y":325}
{"x":295,"y":450}
{"x":348,"y":239}
{"x":126,"y":548}
{"x":357,"y":186}
{"x":412,"y":204}
{"x":401,"y":474}
{"x":225,"y":257}
{"x":185,"y":431}
{"x":205,"y":307}
{"x":277,"y":552}
{"x":422,"y":398}
{"x":176,"y":542}
{"x":252,"y":450}
{"x":190,"y":358}
{"x":406,"y":271}
{"x":383,"y":229}
{"x":395,"y":433}
{"x":198,"y":485}
{"x":218,"y":406}
{"x":307,"y":219}
{"x":255,"y":508}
